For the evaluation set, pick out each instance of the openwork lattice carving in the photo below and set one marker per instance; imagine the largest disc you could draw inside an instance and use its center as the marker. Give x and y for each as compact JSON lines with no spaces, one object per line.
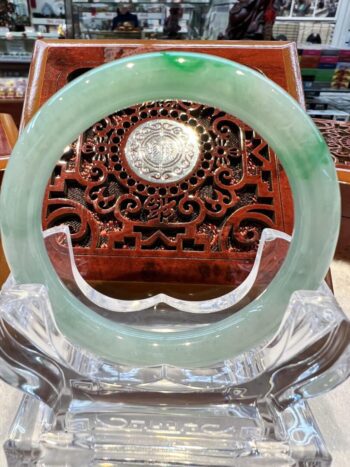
{"x":214,"y":209}
{"x":337,"y":136}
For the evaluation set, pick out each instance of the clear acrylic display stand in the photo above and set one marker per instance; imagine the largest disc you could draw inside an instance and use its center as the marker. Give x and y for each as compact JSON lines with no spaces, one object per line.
{"x":79,"y":410}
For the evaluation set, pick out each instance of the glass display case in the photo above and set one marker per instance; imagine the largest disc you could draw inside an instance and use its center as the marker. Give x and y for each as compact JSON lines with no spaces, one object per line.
{"x":301,"y":21}
{"x":39,"y":15}
{"x":16,"y":50}
{"x":94,"y":20}
{"x":307,"y":8}
{"x":20,"y":14}
{"x":46,"y":16}
{"x":307,"y":21}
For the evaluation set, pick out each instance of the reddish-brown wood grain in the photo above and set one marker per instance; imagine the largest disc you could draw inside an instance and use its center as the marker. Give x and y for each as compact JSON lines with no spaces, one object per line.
{"x":54,"y":61}
{"x":8,"y":137}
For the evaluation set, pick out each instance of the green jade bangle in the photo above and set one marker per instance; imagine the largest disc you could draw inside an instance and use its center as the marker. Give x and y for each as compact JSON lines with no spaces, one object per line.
{"x":201,"y":78}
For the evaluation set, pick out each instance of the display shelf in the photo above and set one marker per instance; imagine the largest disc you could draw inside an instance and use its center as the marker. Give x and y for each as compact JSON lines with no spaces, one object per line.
{"x":48,"y":21}
{"x":331,"y":114}
{"x":20,"y":58}
{"x":28,"y":34}
{"x":326,"y":90}
{"x":325,"y":69}
{"x":12,"y":88}
{"x":18,"y":47}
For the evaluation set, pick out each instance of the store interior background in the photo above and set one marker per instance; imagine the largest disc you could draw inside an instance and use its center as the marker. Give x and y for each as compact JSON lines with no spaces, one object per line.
{"x":320,"y":28}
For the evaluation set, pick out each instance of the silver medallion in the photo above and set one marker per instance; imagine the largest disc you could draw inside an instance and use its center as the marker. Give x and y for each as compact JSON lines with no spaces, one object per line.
{"x":162,"y":151}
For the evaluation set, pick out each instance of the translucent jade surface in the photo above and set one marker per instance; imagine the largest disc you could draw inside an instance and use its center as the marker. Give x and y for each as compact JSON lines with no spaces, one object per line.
{"x":223,"y":84}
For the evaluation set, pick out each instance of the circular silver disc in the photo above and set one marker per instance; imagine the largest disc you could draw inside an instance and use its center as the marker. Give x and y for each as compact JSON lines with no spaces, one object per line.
{"x":162,"y":151}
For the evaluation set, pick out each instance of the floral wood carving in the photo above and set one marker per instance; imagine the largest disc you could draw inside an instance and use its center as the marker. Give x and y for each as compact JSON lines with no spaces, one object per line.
{"x":211,"y":213}
{"x":337,"y":136}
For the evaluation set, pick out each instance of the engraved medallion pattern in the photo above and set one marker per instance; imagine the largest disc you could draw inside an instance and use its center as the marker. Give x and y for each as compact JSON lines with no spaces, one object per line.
{"x":162,"y":151}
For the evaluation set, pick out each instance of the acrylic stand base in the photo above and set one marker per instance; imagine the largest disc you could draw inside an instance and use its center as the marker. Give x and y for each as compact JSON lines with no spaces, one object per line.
{"x":79,"y":410}
{"x":231,"y":434}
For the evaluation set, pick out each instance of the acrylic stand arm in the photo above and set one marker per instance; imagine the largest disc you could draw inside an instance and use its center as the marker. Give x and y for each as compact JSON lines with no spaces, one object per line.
{"x":28,"y":369}
{"x":321,"y":365}
{"x":308,"y":355}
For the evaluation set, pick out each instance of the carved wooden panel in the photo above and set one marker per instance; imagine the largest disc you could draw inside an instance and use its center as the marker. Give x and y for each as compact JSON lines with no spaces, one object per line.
{"x":337,"y":136}
{"x":129,"y":187}
{"x":200,"y":217}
